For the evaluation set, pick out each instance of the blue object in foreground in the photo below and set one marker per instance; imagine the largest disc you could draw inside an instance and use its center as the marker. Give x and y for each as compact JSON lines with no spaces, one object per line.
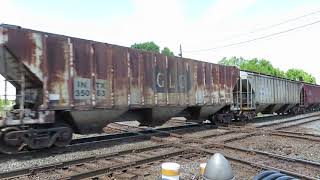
{"x":273,"y":175}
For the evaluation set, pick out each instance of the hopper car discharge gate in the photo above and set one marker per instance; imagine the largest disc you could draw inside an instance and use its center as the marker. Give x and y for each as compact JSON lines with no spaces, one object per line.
{"x":20,"y":122}
{"x":243,"y":99}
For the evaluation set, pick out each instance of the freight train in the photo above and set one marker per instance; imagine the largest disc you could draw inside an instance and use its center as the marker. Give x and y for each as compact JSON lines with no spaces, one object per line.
{"x":67,"y":85}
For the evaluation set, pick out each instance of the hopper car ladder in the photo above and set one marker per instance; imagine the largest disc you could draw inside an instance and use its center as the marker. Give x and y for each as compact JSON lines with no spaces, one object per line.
{"x":244,"y":100}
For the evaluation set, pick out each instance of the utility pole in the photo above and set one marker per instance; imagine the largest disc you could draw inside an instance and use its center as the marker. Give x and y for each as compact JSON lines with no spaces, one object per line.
{"x":180,"y":54}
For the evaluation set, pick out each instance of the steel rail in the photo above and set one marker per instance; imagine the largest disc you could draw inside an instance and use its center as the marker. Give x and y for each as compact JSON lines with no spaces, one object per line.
{"x":312,"y":138}
{"x":104,"y":139}
{"x":286,"y":158}
{"x":29,"y":171}
{"x":298,"y":133}
{"x":259,"y":165}
{"x":288,"y":120}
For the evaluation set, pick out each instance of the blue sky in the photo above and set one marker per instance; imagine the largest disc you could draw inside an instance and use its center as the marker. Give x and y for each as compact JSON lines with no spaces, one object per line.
{"x":194,"y":24}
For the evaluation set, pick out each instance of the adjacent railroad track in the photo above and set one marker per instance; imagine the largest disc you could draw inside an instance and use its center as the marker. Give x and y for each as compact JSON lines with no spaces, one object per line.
{"x":288,"y":122}
{"x":128,"y":161}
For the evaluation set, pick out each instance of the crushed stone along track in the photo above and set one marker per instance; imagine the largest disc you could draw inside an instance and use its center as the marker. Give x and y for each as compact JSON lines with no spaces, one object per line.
{"x":108,"y":139}
{"x":122,"y":133}
{"x":288,"y":122}
{"x":180,"y":146}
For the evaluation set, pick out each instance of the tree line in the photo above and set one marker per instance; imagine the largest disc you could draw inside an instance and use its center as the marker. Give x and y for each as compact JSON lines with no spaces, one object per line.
{"x":265,"y":67}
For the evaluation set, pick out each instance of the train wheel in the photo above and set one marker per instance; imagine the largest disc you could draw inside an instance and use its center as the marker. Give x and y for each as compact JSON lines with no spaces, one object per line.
{"x":65,"y":136}
{"x":10,"y":143}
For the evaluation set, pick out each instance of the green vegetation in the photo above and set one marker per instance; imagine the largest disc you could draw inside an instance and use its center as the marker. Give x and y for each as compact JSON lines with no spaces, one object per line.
{"x":3,"y":103}
{"x":147,"y":46}
{"x":265,"y":67}
{"x":166,"y":51}
{"x":5,"y":106}
{"x":298,"y":75}
{"x":152,"y":47}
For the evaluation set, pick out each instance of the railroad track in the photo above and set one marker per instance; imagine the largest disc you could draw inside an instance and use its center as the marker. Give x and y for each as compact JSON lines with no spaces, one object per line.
{"x":288,"y":122}
{"x":129,"y":160}
{"x":109,"y":139}
{"x":181,"y":145}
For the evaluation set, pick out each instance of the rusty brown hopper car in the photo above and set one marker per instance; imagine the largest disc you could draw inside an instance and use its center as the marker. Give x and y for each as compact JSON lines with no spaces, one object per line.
{"x":70,"y":83}
{"x":310,"y":96}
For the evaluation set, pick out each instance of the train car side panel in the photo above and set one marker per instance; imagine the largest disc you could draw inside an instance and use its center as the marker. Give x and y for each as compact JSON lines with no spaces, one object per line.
{"x":312,"y":95}
{"x":103,"y":75}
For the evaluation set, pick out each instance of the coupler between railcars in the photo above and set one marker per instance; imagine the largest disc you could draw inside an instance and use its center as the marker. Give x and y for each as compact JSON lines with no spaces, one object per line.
{"x":225,"y":118}
{"x":297,"y":110}
{"x":245,"y":115}
{"x":14,"y":139}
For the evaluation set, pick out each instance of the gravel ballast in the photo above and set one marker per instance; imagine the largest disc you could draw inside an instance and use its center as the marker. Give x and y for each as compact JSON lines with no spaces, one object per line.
{"x":292,"y":147}
{"x":29,"y":162}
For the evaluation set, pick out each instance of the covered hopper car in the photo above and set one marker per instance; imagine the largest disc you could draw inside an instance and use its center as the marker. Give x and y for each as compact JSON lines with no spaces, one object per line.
{"x":68,"y":85}
{"x":260,"y":93}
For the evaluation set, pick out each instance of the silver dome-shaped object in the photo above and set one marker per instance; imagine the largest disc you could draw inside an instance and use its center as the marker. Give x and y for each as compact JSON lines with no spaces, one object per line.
{"x":218,"y":168}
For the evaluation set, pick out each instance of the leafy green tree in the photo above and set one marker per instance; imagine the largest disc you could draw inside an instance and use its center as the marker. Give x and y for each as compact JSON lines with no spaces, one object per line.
{"x":255,"y":65}
{"x":166,"y":51}
{"x":147,"y":46}
{"x":265,"y":67}
{"x":5,"y":106}
{"x":3,"y":103}
{"x":300,"y":75}
{"x":152,"y":47}
{"x":233,"y":61}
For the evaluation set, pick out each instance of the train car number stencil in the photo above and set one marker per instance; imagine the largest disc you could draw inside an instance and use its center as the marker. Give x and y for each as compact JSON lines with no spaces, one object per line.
{"x":101,"y":89}
{"x":81,"y":88}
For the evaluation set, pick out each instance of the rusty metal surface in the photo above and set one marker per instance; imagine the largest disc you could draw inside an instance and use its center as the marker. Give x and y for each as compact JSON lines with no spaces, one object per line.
{"x":120,"y":72}
{"x":312,"y":93}
{"x":78,"y":74}
{"x":135,"y":77}
{"x":102,"y":58}
{"x":56,"y":71}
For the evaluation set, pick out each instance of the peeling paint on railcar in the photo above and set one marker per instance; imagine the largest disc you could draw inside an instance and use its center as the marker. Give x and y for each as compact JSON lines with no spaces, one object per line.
{"x":312,"y":94}
{"x":216,"y":81}
{"x":208,"y":84}
{"x":120,"y":71}
{"x":200,"y":83}
{"x":183,"y":74}
{"x":191,"y":81}
{"x":27,"y":47}
{"x":83,"y":57}
{"x":161,"y":75}
{"x":80,"y":75}
{"x":56,"y":70}
{"x":102,"y":62}
{"x":173,"y":96}
{"x":148,"y":78}
{"x":136,"y":65}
